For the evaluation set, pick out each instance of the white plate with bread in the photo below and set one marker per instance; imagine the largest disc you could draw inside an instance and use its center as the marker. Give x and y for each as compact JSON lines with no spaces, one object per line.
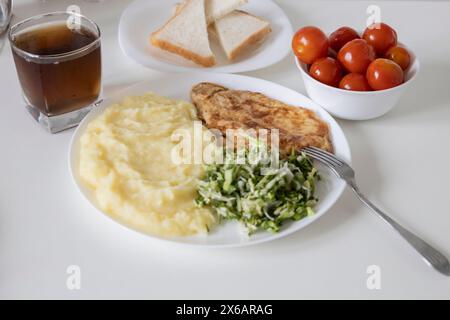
{"x":226,"y":36}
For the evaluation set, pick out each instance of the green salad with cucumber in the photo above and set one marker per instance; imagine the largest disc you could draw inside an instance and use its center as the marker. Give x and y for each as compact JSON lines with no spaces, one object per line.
{"x":258,"y":195}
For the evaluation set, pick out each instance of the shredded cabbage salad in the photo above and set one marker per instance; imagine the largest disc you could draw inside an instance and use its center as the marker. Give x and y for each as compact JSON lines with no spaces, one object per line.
{"x":256,"y":194}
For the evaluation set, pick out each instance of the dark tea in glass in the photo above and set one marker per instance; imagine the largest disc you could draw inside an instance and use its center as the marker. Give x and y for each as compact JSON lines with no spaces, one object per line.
{"x":58,"y":62}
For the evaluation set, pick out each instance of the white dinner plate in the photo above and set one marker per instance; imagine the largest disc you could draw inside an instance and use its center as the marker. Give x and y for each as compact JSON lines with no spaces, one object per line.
{"x":142,"y":17}
{"x":329,"y":189}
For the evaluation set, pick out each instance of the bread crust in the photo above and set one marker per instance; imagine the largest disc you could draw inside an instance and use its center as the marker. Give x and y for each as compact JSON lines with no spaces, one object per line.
{"x":165,"y":45}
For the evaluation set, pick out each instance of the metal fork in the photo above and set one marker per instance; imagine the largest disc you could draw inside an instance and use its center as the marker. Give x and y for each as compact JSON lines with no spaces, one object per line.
{"x":431,"y":256}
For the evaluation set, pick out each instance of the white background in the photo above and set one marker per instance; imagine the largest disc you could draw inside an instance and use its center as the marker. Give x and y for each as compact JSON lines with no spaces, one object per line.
{"x":401,"y":161}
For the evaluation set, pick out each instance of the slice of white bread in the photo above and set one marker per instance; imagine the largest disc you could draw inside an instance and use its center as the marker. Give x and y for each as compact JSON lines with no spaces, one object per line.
{"x":238,"y":31}
{"x":186,"y":34}
{"x":216,"y":9}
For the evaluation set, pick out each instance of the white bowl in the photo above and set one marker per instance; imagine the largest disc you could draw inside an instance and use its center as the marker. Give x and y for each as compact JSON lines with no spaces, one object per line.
{"x":356,"y":105}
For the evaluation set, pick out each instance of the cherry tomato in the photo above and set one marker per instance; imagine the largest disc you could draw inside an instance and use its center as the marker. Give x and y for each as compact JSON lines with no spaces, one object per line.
{"x":384,"y":74}
{"x":400,"y":56}
{"x":355,"y":82}
{"x":381,"y":37}
{"x":326,"y":70}
{"x":332,"y":53}
{"x":310,"y":44}
{"x":356,"y":55}
{"x":341,"y":36}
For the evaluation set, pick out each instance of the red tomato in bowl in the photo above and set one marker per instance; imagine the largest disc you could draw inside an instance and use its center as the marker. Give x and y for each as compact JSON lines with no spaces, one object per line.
{"x":400,"y":56}
{"x":381,"y":37}
{"x":341,"y":36}
{"x":326,"y":70}
{"x":332,"y":53}
{"x":384,"y":74}
{"x":310,"y":44}
{"x":355,"y":82}
{"x":356,"y":55}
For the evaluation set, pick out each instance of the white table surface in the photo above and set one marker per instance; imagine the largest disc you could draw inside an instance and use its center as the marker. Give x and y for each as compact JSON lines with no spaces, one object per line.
{"x":401,"y":161}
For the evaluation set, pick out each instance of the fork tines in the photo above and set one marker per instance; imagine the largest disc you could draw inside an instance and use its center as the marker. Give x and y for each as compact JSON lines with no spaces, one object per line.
{"x":323,"y":156}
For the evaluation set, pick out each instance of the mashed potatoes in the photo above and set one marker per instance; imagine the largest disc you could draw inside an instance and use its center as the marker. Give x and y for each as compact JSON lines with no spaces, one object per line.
{"x":125,"y":159}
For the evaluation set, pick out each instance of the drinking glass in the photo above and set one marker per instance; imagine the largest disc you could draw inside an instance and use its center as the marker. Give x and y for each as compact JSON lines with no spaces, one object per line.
{"x":58,"y":62}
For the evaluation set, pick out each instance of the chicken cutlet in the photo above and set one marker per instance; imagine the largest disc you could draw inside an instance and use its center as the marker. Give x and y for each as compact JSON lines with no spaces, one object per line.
{"x":221,"y":108}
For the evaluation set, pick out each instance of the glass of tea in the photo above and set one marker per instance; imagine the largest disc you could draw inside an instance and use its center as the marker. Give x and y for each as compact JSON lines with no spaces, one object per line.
{"x":58,"y":63}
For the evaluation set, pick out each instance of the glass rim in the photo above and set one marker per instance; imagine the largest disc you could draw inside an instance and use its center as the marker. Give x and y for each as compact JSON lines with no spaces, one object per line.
{"x":53,"y":56}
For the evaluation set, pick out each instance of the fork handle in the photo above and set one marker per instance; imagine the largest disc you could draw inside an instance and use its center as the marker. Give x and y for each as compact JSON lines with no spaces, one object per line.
{"x":431,"y":256}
